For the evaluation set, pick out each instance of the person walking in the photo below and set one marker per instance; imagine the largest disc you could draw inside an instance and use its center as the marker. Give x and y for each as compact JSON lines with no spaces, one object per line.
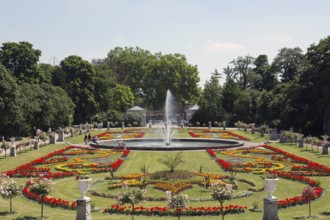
{"x":86,"y":139}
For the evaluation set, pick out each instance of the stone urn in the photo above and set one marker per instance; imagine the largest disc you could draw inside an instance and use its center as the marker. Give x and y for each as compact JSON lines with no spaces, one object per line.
{"x":83,"y":186}
{"x":270,"y":186}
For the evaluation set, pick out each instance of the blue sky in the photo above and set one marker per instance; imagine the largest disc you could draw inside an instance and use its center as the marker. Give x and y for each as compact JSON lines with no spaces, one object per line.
{"x":210,"y":33}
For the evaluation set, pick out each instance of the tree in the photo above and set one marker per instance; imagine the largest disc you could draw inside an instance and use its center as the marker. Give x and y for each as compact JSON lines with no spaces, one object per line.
{"x":11,"y":111}
{"x":22,"y":60}
{"x":316,"y":81}
{"x":230,"y":94}
{"x":9,"y":190}
{"x":288,"y":63}
{"x":221,"y":193}
{"x":172,"y":160}
{"x":211,"y":102}
{"x":266,"y":79}
{"x":240,"y":70}
{"x":5,"y":147}
{"x":80,"y":77}
{"x":150,"y":75}
{"x":46,"y":106}
{"x":41,"y":187}
{"x":122,"y":98}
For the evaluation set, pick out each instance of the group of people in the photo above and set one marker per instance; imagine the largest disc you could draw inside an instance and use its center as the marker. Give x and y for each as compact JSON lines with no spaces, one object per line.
{"x":88,"y":138}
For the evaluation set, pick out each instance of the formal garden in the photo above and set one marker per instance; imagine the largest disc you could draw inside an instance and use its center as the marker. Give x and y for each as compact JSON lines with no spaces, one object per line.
{"x":211,"y":184}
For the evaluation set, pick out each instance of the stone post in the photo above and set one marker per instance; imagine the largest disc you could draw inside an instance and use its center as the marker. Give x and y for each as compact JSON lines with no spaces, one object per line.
{"x":301,"y":143}
{"x":52,"y":139}
{"x":108,"y":126}
{"x":12,"y":147}
{"x":36,"y":143}
{"x":61,"y":135}
{"x":325,"y":150}
{"x":122,"y":125}
{"x":210,"y":125}
{"x":224,"y":125}
{"x":273,"y":134}
{"x":144,"y":120}
{"x":270,"y":209}
{"x":84,"y":209}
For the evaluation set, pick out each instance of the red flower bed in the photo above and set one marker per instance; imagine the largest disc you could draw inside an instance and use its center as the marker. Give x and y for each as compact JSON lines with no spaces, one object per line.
{"x":165,"y":211}
{"x":211,"y":152}
{"x":298,"y":200}
{"x":29,"y":169}
{"x":125,"y":153}
{"x":54,"y":202}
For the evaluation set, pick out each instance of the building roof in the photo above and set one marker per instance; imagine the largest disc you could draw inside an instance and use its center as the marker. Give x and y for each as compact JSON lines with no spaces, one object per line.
{"x":136,"y":109}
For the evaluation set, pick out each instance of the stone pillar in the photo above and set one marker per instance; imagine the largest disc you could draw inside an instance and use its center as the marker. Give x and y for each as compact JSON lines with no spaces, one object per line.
{"x":273,"y":134}
{"x":300,"y":143}
{"x":325,"y":150}
{"x":270,"y":209}
{"x":52,"y":139}
{"x":210,"y":125}
{"x":144,"y":120}
{"x":12,"y":147}
{"x":84,"y":208}
{"x":61,"y":135}
{"x":224,"y":125}
{"x":108,"y":126}
{"x":36,"y":143}
{"x":282,"y":139}
{"x":122,"y":125}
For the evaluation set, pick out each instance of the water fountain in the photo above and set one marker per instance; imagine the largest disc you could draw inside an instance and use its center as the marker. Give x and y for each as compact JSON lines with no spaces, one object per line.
{"x":168,"y":142}
{"x":167,"y":131}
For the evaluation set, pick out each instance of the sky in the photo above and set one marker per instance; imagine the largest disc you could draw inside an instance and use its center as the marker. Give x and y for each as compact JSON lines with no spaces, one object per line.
{"x":210,"y":33}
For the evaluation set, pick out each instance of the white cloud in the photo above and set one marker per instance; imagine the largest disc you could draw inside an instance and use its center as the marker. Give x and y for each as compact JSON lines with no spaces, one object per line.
{"x":277,"y":38}
{"x":212,"y":46}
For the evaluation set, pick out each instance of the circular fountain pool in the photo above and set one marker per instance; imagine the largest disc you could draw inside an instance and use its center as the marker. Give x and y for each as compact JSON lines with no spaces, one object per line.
{"x":176,"y":144}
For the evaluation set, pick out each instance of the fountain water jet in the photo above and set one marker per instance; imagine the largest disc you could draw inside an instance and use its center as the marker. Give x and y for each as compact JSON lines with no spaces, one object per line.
{"x":169,"y":107}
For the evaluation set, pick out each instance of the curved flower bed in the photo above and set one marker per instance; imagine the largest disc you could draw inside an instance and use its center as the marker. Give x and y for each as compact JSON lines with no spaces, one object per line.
{"x":31,"y":170}
{"x":165,"y":211}
{"x":126,"y":134}
{"x":53,"y":202}
{"x":205,"y":133}
{"x":297,"y":173}
{"x":61,"y":157}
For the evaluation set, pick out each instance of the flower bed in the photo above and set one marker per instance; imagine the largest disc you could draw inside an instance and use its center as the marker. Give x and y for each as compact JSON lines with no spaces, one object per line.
{"x":165,"y":211}
{"x":66,"y":168}
{"x":48,"y":200}
{"x":297,"y":173}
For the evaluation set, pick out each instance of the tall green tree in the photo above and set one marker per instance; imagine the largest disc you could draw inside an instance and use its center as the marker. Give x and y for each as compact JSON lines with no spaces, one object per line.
{"x":122,"y":98}
{"x":314,"y":88}
{"x":288,"y":63}
{"x":266,"y":79}
{"x":230,"y":93}
{"x":11,"y":111}
{"x":151,"y":75}
{"x":22,"y":60}
{"x":210,"y":105}
{"x":240,"y":70}
{"x":80,"y":79}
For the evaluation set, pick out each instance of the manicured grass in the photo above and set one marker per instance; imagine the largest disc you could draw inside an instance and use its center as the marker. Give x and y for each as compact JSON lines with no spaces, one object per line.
{"x":67,"y":188}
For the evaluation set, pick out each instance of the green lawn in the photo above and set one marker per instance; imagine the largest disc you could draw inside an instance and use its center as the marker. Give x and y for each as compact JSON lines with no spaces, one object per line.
{"x":67,"y":188}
